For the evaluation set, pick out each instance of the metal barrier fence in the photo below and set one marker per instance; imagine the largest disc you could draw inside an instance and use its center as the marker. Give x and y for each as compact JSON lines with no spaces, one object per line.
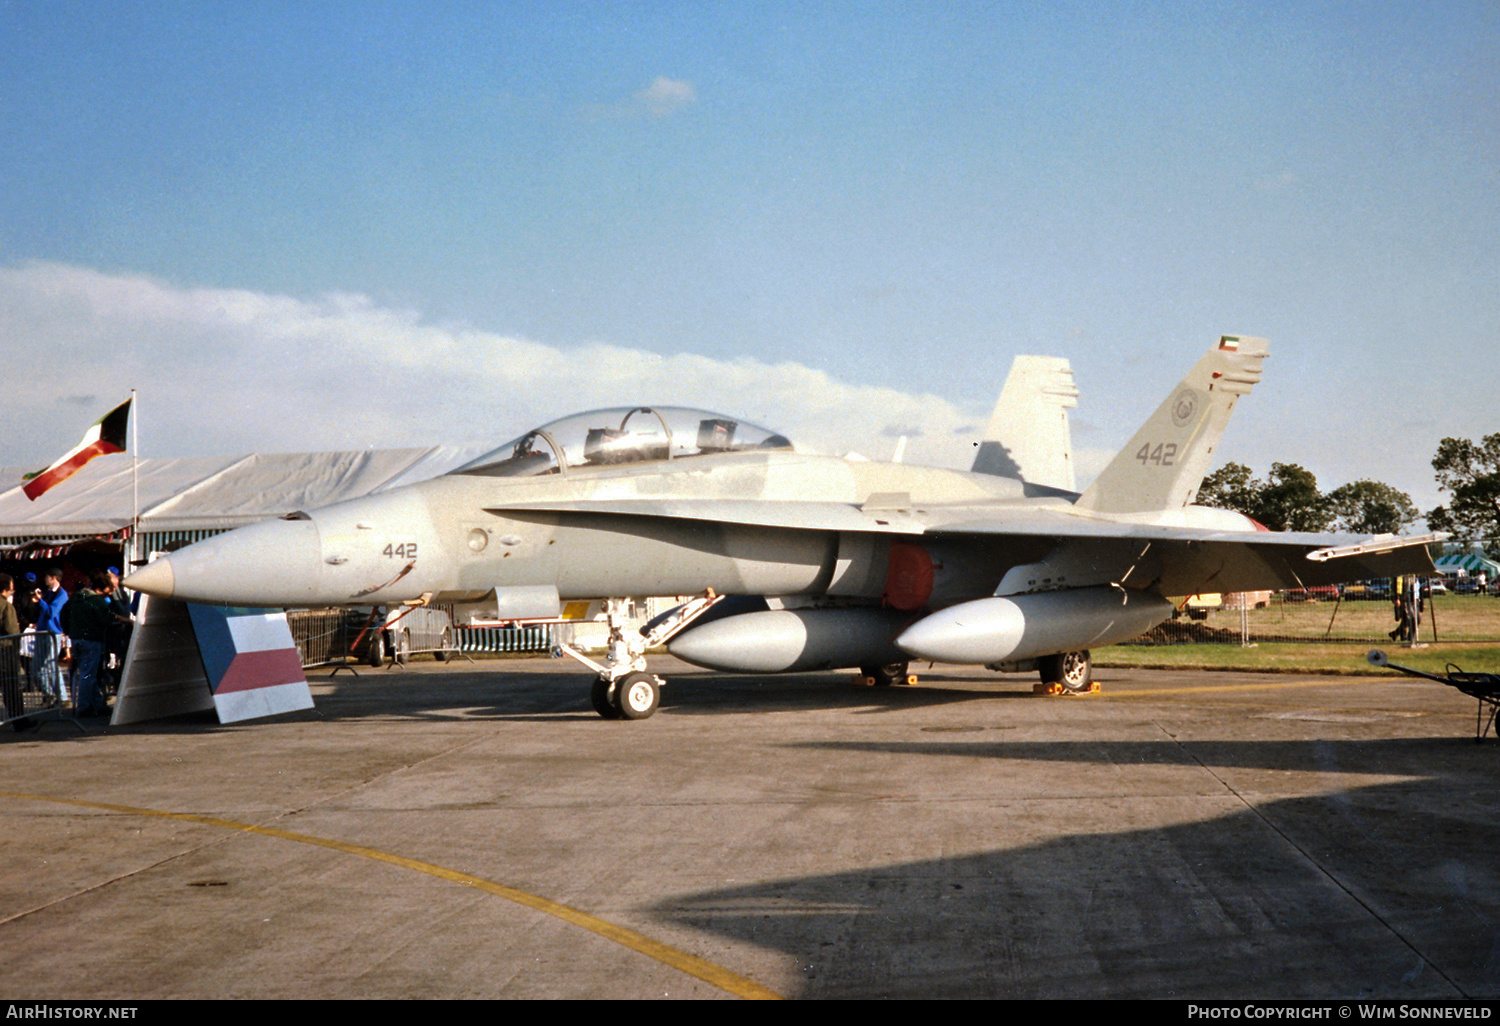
{"x":326,"y":636}
{"x":33,"y":678}
{"x":1334,"y":620}
{"x":322,"y":635}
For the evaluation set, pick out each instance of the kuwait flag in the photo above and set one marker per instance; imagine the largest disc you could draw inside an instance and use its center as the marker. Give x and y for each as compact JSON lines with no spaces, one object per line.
{"x":106,"y":436}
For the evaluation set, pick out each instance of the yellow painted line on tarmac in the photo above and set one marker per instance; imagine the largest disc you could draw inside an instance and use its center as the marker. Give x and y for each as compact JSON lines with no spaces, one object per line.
{"x":1324,"y":682}
{"x":703,"y":969}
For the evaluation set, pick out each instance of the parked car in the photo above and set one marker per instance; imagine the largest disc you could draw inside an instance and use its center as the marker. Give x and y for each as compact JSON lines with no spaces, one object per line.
{"x":397,"y":632}
{"x":1313,"y":594}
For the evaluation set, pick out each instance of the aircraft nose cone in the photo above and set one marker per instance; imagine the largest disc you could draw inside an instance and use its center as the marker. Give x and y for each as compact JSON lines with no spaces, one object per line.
{"x":275,"y":563}
{"x":155,"y":578}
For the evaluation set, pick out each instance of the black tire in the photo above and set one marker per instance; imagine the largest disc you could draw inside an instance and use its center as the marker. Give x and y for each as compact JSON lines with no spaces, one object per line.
{"x":637,"y":695}
{"x":886,"y":675}
{"x":442,"y":655}
{"x":1074,"y":671}
{"x":601,"y":699}
{"x":375,"y":654}
{"x":403,"y":648}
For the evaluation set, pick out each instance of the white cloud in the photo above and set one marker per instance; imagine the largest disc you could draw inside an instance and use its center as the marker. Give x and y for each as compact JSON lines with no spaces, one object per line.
{"x":228,"y":371}
{"x":666,"y":95}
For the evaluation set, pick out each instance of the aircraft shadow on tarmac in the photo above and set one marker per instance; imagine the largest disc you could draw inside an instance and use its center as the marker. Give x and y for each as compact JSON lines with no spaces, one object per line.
{"x":1383,"y":891}
{"x":520,"y":695}
{"x":488,"y":694}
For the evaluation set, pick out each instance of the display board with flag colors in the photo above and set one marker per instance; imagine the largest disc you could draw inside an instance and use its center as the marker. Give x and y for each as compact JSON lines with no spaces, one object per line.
{"x":252,"y":663}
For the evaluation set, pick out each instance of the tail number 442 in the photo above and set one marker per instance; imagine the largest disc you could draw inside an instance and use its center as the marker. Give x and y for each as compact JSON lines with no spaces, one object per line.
{"x":1163,"y":454}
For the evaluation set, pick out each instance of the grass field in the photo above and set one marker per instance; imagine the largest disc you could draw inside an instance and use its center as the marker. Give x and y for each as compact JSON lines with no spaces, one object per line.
{"x":1456,"y":617}
{"x":1467,"y":634}
{"x":1301,"y":657}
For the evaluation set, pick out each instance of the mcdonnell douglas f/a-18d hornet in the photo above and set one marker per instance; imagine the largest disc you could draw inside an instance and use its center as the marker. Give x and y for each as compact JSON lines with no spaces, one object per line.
{"x":800,"y":561}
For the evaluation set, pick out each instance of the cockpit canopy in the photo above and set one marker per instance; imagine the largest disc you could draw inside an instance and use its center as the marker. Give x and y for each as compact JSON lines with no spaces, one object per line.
{"x":623,"y":434}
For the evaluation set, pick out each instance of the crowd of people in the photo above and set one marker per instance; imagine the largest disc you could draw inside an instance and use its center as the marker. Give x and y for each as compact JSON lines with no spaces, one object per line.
{"x":63,"y":645}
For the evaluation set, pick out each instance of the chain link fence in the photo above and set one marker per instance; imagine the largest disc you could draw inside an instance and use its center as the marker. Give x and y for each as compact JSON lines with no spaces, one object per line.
{"x":1330,"y":619}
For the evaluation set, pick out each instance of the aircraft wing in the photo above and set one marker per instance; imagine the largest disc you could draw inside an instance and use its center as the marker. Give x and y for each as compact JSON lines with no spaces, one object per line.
{"x":1176,"y":560}
{"x":791,"y":515}
{"x":1190,"y":561}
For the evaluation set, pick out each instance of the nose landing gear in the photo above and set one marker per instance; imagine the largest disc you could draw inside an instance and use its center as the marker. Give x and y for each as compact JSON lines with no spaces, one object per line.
{"x":625,"y":689}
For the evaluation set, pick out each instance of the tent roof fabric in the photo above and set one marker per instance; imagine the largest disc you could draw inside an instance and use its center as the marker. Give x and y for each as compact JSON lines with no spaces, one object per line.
{"x":211,"y":492}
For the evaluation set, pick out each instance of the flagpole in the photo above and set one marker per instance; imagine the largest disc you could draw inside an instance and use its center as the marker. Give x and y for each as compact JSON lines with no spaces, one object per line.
{"x":135,"y":479}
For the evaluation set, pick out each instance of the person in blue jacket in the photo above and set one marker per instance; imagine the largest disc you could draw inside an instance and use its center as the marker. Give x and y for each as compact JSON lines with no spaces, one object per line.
{"x":51,"y":640}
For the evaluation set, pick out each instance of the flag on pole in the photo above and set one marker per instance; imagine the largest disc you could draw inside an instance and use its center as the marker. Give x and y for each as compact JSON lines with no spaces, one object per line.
{"x":106,"y":436}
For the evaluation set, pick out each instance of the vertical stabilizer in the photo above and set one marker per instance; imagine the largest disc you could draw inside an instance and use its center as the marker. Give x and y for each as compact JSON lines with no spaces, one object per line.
{"x":1028,"y":437}
{"x":1163,"y":466}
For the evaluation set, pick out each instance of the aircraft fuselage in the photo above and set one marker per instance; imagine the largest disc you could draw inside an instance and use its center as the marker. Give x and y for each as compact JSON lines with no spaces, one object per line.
{"x":458,"y":537}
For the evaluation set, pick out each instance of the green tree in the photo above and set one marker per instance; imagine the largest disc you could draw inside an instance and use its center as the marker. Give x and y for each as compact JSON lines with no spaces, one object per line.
{"x":1471,"y":474}
{"x":1288,"y":501}
{"x":1229,"y":487}
{"x":1370,"y":507}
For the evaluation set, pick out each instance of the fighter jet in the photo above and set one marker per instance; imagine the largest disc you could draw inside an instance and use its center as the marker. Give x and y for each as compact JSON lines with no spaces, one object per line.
{"x":800,"y":561}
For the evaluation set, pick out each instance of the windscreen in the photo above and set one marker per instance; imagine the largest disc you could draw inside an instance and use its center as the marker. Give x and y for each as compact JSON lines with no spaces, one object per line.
{"x":622,"y":435}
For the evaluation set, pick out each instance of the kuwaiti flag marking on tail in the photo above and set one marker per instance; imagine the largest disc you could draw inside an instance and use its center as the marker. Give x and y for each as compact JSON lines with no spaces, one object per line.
{"x":253,"y":666}
{"x":106,"y":436}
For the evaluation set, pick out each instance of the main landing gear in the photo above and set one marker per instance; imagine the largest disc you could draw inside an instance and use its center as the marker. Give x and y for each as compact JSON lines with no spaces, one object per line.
{"x":1069,"y":673}
{"x":625,"y":689}
{"x":885,"y":675}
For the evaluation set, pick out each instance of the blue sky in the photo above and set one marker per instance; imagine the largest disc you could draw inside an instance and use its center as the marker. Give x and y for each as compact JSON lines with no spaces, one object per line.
{"x":324,"y":225}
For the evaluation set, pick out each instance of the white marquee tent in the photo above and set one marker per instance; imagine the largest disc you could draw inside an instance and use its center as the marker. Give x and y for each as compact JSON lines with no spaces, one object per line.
{"x":1472,"y":563}
{"x":188,"y":498}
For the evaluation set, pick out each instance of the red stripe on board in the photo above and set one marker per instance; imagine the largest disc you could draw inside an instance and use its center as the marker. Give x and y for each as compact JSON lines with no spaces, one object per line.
{"x":251,"y":670}
{"x":60,"y":472}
